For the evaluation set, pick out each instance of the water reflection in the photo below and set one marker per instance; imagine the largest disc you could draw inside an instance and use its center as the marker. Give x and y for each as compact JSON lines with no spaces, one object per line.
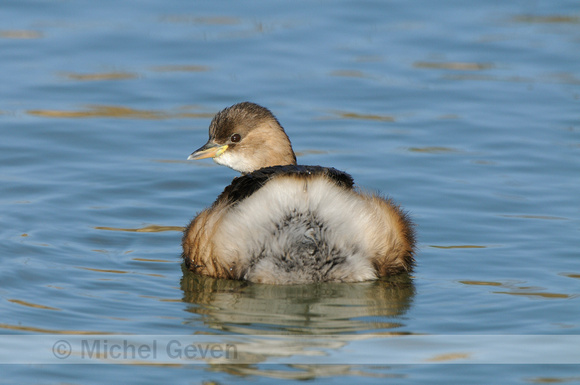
{"x":316,"y":309}
{"x":306,"y":372}
{"x":273,"y":323}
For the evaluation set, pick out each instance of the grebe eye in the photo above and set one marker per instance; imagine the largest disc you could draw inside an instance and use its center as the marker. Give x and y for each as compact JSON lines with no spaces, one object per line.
{"x":235,"y":138}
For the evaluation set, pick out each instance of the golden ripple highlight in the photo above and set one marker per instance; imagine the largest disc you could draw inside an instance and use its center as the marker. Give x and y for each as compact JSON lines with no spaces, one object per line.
{"x":146,"y":229}
{"x":50,"y":331}
{"x":547,"y":19}
{"x":454,"y":66}
{"x":434,"y":150}
{"x":100,"y":111}
{"x":103,"y":111}
{"x":538,"y":294}
{"x":30,"y":304}
{"x":100,"y":76}
{"x":311,"y":152}
{"x":355,"y":115}
{"x":553,"y":380}
{"x":512,"y":288}
{"x":449,"y":357}
{"x":571,"y":275}
{"x":563,"y":78}
{"x":489,"y":78}
{"x":459,"y":247}
{"x":20,"y":34}
{"x":162,"y":299}
{"x":152,"y":260}
{"x":180,"y":68}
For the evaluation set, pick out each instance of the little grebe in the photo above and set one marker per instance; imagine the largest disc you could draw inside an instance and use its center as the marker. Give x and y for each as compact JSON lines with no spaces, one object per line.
{"x":281,"y":223}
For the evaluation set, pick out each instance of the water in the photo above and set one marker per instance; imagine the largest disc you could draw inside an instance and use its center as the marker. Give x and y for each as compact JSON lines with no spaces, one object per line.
{"x":466,"y":114}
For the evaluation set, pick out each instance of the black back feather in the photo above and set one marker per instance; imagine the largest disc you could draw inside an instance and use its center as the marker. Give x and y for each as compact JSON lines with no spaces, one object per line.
{"x":245,"y":185}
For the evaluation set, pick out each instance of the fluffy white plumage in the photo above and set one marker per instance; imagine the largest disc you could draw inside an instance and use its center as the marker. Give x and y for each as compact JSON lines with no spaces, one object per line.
{"x":307,"y":220}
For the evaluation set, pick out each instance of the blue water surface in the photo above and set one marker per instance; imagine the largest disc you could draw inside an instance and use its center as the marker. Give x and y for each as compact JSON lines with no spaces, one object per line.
{"x":467,"y":114}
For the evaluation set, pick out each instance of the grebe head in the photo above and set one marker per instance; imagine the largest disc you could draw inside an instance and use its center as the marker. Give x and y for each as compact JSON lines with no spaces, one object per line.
{"x":246,"y":137}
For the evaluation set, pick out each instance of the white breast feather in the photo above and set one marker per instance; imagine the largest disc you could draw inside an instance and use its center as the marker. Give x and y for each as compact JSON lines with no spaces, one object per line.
{"x":349,"y":219}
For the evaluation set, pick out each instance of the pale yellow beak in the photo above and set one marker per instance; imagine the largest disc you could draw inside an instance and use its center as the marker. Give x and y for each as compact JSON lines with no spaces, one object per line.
{"x":208,"y":150}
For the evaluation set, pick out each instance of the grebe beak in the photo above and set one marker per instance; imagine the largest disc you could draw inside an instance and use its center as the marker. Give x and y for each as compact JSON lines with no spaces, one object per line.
{"x":208,"y":150}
